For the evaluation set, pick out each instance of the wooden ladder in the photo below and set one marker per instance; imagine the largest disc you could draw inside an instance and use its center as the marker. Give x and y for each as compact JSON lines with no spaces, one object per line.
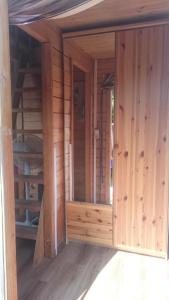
{"x":23,"y":230}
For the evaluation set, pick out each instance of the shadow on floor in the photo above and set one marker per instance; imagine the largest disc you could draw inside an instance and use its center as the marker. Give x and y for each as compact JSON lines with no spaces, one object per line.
{"x":67,"y":277}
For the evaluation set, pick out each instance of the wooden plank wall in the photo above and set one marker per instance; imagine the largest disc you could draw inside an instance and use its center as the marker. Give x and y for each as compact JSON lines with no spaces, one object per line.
{"x":90,"y":223}
{"x":105,"y":67}
{"x":53,"y":119}
{"x":142,"y":140}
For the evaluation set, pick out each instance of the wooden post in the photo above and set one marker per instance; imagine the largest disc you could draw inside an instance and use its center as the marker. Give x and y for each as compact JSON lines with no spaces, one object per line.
{"x":8,"y":286}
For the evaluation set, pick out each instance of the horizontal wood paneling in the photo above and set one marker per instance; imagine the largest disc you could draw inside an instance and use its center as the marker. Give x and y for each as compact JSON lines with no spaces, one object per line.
{"x":90,"y":223}
{"x":142,"y":141}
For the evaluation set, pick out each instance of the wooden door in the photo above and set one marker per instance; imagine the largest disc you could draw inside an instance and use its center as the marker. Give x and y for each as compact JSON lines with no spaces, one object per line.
{"x":142,"y":140}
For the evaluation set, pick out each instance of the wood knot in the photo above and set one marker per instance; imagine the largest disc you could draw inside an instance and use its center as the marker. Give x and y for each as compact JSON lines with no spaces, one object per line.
{"x":142,"y":154}
{"x":164,"y":138}
{"x":144,"y":218}
{"x":121,"y":107}
{"x":125,"y":198}
{"x":123,"y":46}
{"x":116,"y":146}
{"x":126,"y":154}
{"x":99,"y":220}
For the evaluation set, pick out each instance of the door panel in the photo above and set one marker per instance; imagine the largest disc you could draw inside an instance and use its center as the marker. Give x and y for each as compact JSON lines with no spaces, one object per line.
{"x":142,"y":140}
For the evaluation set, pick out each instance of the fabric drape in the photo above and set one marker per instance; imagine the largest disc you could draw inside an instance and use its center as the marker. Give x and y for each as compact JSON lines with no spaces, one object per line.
{"x":28,"y":11}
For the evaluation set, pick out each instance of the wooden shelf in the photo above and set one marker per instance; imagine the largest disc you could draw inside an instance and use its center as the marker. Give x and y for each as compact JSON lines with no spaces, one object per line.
{"x":25,"y":155}
{"x":26,"y":232}
{"x":29,"y":178}
{"x":32,"y":205}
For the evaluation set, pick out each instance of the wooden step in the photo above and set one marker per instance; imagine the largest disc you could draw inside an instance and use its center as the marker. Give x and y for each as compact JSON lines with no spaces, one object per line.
{"x":28,"y":131}
{"x":29,"y":178}
{"x":31,"y":205}
{"x":26,"y":110}
{"x":25,"y":155}
{"x":26,"y":232}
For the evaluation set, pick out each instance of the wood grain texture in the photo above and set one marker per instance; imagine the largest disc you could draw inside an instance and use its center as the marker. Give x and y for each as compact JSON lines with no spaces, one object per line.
{"x":90,"y":223}
{"x":8,"y":284}
{"x":88,"y":272}
{"x":97,"y":46}
{"x":48,"y":153}
{"x":114,"y":12}
{"x":142,"y":140}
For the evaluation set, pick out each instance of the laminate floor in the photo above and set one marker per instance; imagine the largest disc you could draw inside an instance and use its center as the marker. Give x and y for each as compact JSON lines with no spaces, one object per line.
{"x":85,"y":272}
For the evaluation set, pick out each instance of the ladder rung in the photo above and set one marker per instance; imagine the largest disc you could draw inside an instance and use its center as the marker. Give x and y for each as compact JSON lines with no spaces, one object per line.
{"x":29,"y":178}
{"x":28,"y":131}
{"x":26,"y":110}
{"x":28,"y":89}
{"x":29,"y":70}
{"x":28,"y":155}
{"x":26,"y":232}
{"x":32,"y":205}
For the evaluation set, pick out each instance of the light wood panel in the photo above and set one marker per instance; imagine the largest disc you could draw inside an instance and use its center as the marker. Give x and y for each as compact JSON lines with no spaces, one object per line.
{"x":48,"y":153}
{"x":89,"y":223}
{"x":142,"y":141}
{"x":8,"y":284}
{"x":109,"y":12}
{"x":98,"y":46}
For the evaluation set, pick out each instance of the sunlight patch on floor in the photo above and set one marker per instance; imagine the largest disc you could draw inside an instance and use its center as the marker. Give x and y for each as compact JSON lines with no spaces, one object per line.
{"x":131,"y":277}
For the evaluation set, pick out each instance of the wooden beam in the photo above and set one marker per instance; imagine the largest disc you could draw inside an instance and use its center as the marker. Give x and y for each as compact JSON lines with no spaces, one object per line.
{"x":44,"y":33}
{"x":109,"y":29}
{"x":79,"y":58}
{"x":8,"y":282}
{"x":48,"y":150}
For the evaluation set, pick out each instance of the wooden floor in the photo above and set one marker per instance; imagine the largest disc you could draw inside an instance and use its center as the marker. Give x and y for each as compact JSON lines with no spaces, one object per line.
{"x":94,"y":273}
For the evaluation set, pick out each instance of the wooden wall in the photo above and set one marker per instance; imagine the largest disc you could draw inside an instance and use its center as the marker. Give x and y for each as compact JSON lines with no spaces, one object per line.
{"x":90,"y":223}
{"x":53,"y":119}
{"x":103,"y":114}
{"x":73,"y":56}
{"x":142,"y":140}
{"x":8,"y":283}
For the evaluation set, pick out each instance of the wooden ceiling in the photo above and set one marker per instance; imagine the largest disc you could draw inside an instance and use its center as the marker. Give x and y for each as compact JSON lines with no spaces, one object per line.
{"x":97,"y":46}
{"x":110,"y":12}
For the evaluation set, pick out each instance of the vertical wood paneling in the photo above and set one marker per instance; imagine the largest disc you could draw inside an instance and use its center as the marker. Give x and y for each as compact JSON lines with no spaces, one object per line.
{"x":141,"y":140}
{"x":8,"y":280}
